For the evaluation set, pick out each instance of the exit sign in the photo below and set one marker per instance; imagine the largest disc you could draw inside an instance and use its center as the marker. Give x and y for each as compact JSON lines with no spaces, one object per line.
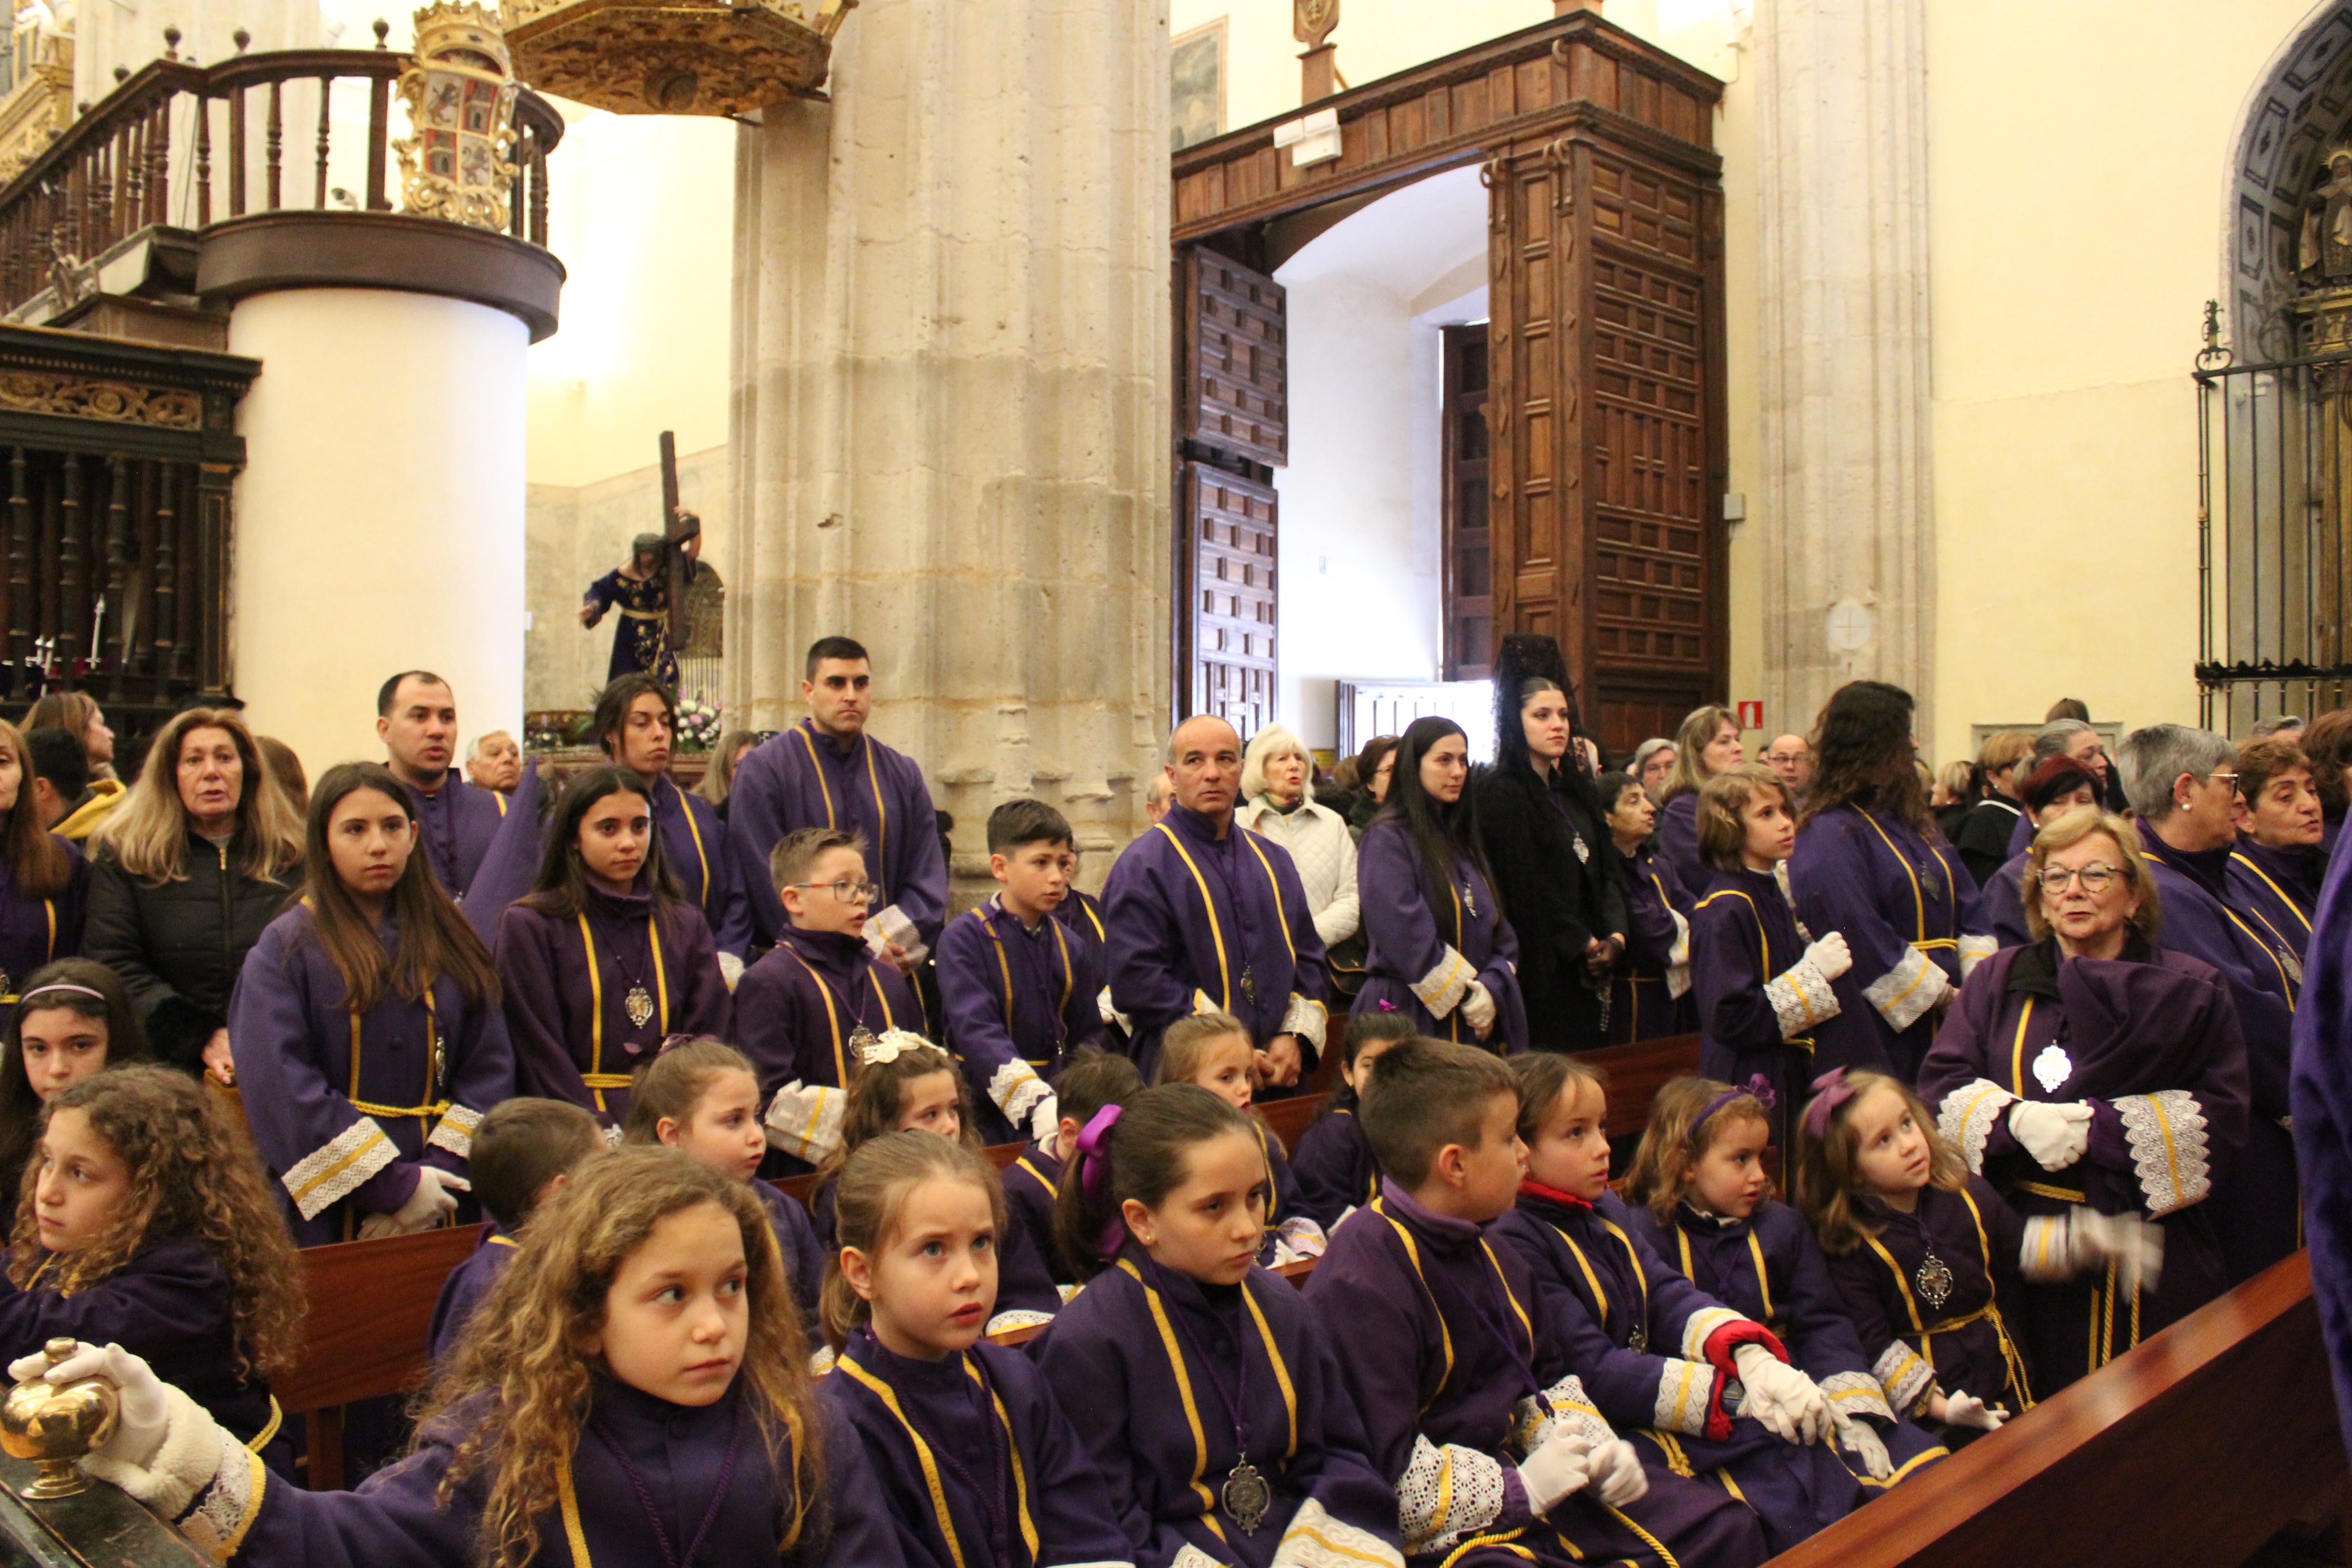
{"x":1751,"y":715}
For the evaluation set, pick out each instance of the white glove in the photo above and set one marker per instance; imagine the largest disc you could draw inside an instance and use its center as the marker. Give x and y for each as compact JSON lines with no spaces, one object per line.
{"x":1045,"y":1120}
{"x":435,"y":1200}
{"x":2056,"y":1135}
{"x":1560,"y":1465}
{"x":1617,"y":1472}
{"x":1962,"y":1408}
{"x":2094,"y":1240}
{"x":1831,"y":956}
{"x":1478,"y":1007}
{"x":1857,"y":1437}
{"x":1784,"y":1399}
{"x":138,"y":1431}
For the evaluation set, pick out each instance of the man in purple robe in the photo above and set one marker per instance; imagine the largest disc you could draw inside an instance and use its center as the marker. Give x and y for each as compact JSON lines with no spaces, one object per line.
{"x":416,"y":718}
{"x":636,"y":723}
{"x":827,"y":772}
{"x":1207,"y":917}
{"x":2183,"y":785}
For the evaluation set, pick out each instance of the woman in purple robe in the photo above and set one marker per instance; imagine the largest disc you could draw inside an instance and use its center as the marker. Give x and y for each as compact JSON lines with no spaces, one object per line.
{"x":636,"y":725}
{"x":44,"y":880}
{"x":1870,"y":864}
{"x":368,"y":1032}
{"x":1649,"y":992}
{"x":603,"y":961}
{"x":636,"y":1392}
{"x":1440,"y":951}
{"x":1706,"y":745}
{"x":2278,"y":863}
{"x":2093,"y":1069}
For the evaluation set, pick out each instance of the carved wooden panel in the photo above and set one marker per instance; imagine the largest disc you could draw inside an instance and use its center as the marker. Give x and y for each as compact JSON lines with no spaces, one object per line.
{"x":1535,"y":407}
{"x":1465,"y":549}
{"x":1234,"y":338}
{"x":1227,"y":599}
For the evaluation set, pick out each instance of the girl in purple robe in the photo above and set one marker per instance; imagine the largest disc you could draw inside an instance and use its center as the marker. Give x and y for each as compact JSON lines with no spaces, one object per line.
{"x":44,"y":880}
{"x":603,"y":961}
{"x":147,"y":1224}
{"x":368,"y":1034}
{"x":1094,"y":1078}
{"x":977,"y":1462}
{"x":700,"y":1096}
{"x":1440,"y":950}
{"x":73,"y":1020}
{"x":1654,"y":1356}
{"x":1649,"y":988}
{"x":635,"y":1391}
{"x":1870,"y":864}
{"x":1334,"y":1166}
{"x":1706,"y":745}
{"x":1210,"y":1398}
{"x":2092,"y":1069}
{"x":1211,"y":1050}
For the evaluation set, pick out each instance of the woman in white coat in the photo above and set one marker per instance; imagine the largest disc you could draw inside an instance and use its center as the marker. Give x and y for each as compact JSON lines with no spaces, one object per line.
{"x":1278,"y":802}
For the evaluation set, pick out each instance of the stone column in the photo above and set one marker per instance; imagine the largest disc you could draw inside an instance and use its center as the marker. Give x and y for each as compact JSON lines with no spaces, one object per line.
{"x":951,"y":426}
{"x":1847,"y":531}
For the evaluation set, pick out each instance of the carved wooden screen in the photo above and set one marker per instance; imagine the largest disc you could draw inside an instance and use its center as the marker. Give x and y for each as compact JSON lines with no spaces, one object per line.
{"x":1469,"y":584}
{"x":1226,"y":600}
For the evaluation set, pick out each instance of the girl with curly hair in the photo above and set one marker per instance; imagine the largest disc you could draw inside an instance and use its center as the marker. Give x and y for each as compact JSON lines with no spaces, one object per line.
{"x":144,"y":1221}
{"x":633,"y":1390}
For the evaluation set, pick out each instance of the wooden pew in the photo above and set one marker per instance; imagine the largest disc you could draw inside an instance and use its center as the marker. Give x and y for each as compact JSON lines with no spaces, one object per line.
{"x":1637,"y":1073}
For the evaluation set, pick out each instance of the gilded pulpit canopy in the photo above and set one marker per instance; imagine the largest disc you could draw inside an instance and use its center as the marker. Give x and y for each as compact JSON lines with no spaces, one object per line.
{"x":684,"y":56}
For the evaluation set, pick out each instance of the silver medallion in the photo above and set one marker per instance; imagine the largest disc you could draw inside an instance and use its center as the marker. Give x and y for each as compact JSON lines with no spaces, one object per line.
{"x":2052,"y":1067}
{"x":1638,"y":1341}
{"x":1931,"y":884}
{"x":639,"y":1005}
{"x":1246,"y":1497}
{"x":859,"y":1038}
{"x":1934,"y":1281}
{"x":1470,"y":899}
{"x":1249,"y":985}
{"x":2291,"y":963}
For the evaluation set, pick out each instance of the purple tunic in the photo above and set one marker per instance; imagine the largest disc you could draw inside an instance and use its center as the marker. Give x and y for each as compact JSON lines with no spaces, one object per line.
{"x":1199,"y":923}
{"x":511,"y":864}
{"x":2150,"y":1042}
{"x":797,"y":1241}
{"x":1031,"y":1182}
{"x":2003,"y":901}
{"x":1081,"y":913}
{"x":35,"y":931}
{"x":802,"y":779}
{"x":2279,"y":888}
{"x":2322,"y":1094}
{"x":799,"y":1005}
{"x":1446,"y":1344}
{"x":1334,"y":1166}
{"x":457,"y":823}
{"x":1642,"y":1003}
{"x":343,"y":1109}
{"x":676,"y":1458}
{"x":568,"y":983}
{"x":1150,"y":1365}
{"x":1018,"y":1002}
{"x":1425,"y":950}
{"x":1907,"y":909}
{"x":707,"y":864}
{"x":976,"y":1461}
{"x":2256,"y":1207}
{"x":1678,"y":840}
{"x":463,"y":1291}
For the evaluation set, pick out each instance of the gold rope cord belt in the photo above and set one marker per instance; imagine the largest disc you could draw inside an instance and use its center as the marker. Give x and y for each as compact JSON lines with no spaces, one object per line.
{"x":421,"y":1113}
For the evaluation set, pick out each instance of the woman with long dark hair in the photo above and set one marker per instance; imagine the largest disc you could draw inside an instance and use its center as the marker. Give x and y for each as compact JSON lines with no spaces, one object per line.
{"x":1870,"y":864}
{"x":1546,"y":837}
{"x":72,"y":1021}
{"x":1440,"y":950}
{"x":368,"y":1034}
{"x":44,"y":880}
{"x":603,"y":960}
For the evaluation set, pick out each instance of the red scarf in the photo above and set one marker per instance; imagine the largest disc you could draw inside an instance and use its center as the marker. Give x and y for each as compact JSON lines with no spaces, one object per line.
{"x":1530,"y":1187}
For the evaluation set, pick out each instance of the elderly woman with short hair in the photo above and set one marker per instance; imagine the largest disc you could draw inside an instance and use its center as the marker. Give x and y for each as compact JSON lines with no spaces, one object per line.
{"x":2093,"y":1070}
{"x":2277,"y":864}
{"x":1278,"y":801}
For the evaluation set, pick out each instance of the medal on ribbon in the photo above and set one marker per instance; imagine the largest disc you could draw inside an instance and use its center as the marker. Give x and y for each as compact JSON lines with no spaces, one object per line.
{"x":2052,"y":1067}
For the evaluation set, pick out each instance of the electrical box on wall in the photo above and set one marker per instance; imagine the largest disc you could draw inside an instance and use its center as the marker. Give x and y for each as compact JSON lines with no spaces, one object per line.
{"x":1315,"y":139}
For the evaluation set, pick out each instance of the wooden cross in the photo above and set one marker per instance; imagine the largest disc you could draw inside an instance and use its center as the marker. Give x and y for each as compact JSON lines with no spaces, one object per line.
{"x":676,"y":531}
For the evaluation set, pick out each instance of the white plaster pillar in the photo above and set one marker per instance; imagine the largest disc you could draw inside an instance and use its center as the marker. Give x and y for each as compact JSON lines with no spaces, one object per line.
{"x":1846,"y":525}
{"x":951,"y":429}
{"x":380,"y":515}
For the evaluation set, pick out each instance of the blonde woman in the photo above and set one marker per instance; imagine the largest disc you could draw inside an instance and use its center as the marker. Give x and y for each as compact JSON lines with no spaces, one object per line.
{"x":1278,"y":800}
{"x":1706,"y":745}
{"x":203,"y":854}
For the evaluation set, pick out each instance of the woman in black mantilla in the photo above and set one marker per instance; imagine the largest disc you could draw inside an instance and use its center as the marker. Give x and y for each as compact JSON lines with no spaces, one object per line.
{"x":641,"y":590}
{"x":1547,"y":840}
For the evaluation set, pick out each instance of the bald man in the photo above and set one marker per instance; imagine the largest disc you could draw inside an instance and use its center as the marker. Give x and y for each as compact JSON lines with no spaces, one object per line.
{"x":1790,"y":757}
{"x":1205,"y":916}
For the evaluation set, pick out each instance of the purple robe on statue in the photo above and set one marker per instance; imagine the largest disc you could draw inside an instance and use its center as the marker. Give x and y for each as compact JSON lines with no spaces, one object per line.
{"x":1426,"y":950}
{"x":568,"y":984}
{"x":2256,"y":1207}
{"x":1030,"y":1186}
{"x":344,"y":1109}
{"x":802,"y":779}
{"x":1649,"y":996}
{"x":2149,"y":1042}
{"x":1141,"y":1346}
{"x":35,"y":931}
{"x":1334,"y":1166}
{"x":976,"y":1462}
{"x":1200,"y":923}
{"x":457,"y":823}
{"x":1018,"y":1001}
{"x":1452,"y":1353}
{"x":463,"y":1291}
{"x":1678,"y":840}
{"x":1907,"y":909}
{"x":2322,"y":1096}
{"x":799,"y":1005}
{"x":706,"y":863}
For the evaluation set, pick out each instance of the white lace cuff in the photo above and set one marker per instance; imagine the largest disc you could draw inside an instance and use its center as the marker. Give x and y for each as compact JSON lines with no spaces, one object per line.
{"x":730,"y":968}
{"x":1018,"y":1318}
{"x":1015,"y":1088}
{"x":805,"y":1122}
{"x":1969,"y":1115}
{"x":1904,"y":994}
{"x":2043,"y":1257}
{"x":1800,"y":998}
{"x":1856,"y":1394}
{"x":328,"y":1175}
{"x":1443,"y":988}
{"x":1303,"y":1237}
{"x":1685,"y":1390}
{"x":1678,"y":980}
{"x":1315,"y":1539}
{"x":1975,"y":950}
{"x":1564,"y":1407}
{"x":1702,"y":1326}
{"x":2167,"y":1135}
{"x":202,"y":1479}
{"x":1446,"y":1494}
{"x":1305,"y":1019}
{"x":1904,"y":1374}
{"x":1192,"y":1556}
{"x":1110,"y":1012}
{"x":455,"y":1130}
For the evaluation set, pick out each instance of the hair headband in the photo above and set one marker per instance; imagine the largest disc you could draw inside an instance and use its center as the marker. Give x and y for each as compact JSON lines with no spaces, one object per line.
{"x":58,"y":985}
{"x":1757,"y":1088}
{"x":889,"y":1046}
{"x":1093,"y":1158}
{"x":1829,"y":1091}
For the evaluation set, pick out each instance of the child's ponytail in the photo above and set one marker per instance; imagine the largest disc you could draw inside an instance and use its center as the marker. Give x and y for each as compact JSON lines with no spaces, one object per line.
{"x":1140,"y":1151}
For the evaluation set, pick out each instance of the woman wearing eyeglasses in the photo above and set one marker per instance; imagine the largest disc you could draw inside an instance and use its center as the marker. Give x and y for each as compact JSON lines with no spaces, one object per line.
{"x":2091,"y":1070}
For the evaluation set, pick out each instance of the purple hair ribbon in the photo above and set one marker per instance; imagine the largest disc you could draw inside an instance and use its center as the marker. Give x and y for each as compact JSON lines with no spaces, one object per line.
{"x":1829,"y":1091}
{"x":1094,"y":1175}
{"x":1758,"y":1085}
{"x":1385,"y":1005}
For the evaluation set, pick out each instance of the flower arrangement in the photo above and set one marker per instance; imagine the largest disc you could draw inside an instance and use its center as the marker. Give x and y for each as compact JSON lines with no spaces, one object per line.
{"x":697,"y":724}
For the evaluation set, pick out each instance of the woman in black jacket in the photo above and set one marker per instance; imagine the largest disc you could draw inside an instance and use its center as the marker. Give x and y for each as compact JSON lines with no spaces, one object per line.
{"x":1547,"y":842}
{"x":200,"y":856}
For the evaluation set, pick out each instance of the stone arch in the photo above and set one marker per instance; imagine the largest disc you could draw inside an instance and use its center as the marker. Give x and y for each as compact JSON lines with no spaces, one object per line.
{"x":2301,"y":104}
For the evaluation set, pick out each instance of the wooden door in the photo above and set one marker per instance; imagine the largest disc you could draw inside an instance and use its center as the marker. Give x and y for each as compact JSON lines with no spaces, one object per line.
{"x":1234,"y":340}
{"x":1469,"y":584}
{"x":1225,"y":599}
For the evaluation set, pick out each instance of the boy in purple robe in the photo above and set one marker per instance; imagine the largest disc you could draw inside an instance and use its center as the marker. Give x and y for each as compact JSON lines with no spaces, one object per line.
{"x":1333,"y":1168}
{"x":827,"y":772}
{"x":1207,"y":917}
{"x":1017,"y":985}
{"x":523,"y":1151}
{"x":636,"y":723}
{"x":416,"y":718}
{"x":1449,"y":1348}
{"x":2184,"y":789}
